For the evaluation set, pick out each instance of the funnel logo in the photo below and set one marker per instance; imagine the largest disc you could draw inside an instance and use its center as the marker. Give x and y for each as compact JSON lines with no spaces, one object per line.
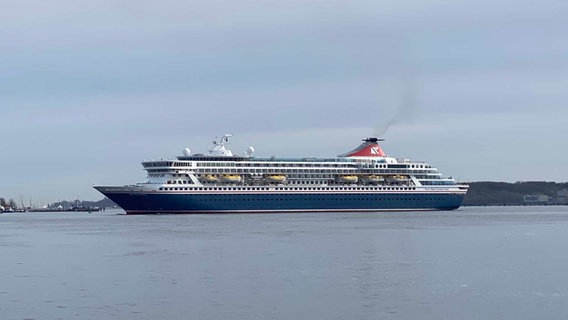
{"x":374,"y":150}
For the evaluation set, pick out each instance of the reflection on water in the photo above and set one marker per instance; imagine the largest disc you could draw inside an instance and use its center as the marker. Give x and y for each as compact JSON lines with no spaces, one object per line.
{"x":474,"y":263}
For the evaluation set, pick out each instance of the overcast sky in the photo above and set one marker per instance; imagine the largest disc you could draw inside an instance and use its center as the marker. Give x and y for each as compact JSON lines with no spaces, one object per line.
{"x":89,"y":89}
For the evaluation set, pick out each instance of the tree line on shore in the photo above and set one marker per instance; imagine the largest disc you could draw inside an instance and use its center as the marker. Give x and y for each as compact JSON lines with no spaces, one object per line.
{"x":11,"y":205}
{"x":490,"y":193}
{"x":8,"y":204}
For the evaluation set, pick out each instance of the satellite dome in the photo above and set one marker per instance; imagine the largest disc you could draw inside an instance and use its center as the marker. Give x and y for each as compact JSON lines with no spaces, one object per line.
{"x":250,"y":150}
{"x":187,"y":152}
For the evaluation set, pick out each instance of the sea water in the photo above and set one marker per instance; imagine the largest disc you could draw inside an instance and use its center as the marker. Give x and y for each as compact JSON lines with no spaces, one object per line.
{"x":473,"y":263}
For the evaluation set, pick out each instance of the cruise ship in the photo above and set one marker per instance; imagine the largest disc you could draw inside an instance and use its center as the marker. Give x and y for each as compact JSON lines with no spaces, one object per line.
{"x":364,"y":179}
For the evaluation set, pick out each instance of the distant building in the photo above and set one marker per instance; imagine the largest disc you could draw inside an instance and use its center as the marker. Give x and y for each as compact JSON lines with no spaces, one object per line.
{"x":536,"y":200}
{"x":562,"y":196}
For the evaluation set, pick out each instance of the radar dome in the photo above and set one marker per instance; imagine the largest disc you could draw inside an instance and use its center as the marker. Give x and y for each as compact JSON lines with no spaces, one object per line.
{"x":187,"y":152}
{"x":250,"y":150}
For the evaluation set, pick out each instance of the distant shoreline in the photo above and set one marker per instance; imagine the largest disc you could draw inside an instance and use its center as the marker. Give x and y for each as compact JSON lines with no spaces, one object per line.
{"x":530,"y":193}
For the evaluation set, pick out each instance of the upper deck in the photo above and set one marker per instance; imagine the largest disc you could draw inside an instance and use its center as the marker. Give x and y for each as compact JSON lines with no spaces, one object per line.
{"x":366,"y":164}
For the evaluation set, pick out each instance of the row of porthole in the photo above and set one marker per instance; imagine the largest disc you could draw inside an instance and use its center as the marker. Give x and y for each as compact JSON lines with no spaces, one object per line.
{"x":273,"y":165}
{"x":418,"y":166}
{"x":293,"y":165}
{"x":292,"y":189}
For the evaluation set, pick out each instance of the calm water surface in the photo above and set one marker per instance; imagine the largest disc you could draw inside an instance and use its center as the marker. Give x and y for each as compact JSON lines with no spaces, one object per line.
{"x":474,"y":263}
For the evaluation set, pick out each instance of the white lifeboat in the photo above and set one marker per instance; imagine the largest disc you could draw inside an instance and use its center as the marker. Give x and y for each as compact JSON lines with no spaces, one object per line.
{"x":231,"y":178}
{"x":210,"y":178}
{"x":372,"y":178}
{"x":275,"y":178}
{"x":397,"y":179}
{"x":348,"y":179}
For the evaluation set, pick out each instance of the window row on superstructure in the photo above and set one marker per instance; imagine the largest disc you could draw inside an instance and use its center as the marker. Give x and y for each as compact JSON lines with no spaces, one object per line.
{"x":311,"y":165}
{"x":419,"y":174}
{"x":290,"y":188}
{"x":438,"y":183}
{"x":179,"y":182}
{"x":157,"y":164}
{"x":320,"y":171}
{"x":437,"y":176}
{"x":276,"y":164}
{"x":182,"y":164}
{"x":402,"y":168}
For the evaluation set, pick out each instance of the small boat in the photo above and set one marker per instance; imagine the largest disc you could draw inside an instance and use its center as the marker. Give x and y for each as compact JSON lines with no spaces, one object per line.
{"x":233,"y":178}
{"x":370,"y":179}
{"x":275,"y":178}
{"x":210,"y":178}
{"x":348,"y":179}
{"x":397,"y":179}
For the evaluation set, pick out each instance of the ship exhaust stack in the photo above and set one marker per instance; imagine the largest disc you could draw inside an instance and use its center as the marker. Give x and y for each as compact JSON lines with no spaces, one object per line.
{"x":369,"y":148}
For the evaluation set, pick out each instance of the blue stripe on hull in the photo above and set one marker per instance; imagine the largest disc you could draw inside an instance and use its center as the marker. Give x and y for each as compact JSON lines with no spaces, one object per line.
{"x":226,"y":203}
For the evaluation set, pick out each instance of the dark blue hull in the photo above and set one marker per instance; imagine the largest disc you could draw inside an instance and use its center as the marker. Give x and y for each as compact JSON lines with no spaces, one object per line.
{"x":159,"y":202}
